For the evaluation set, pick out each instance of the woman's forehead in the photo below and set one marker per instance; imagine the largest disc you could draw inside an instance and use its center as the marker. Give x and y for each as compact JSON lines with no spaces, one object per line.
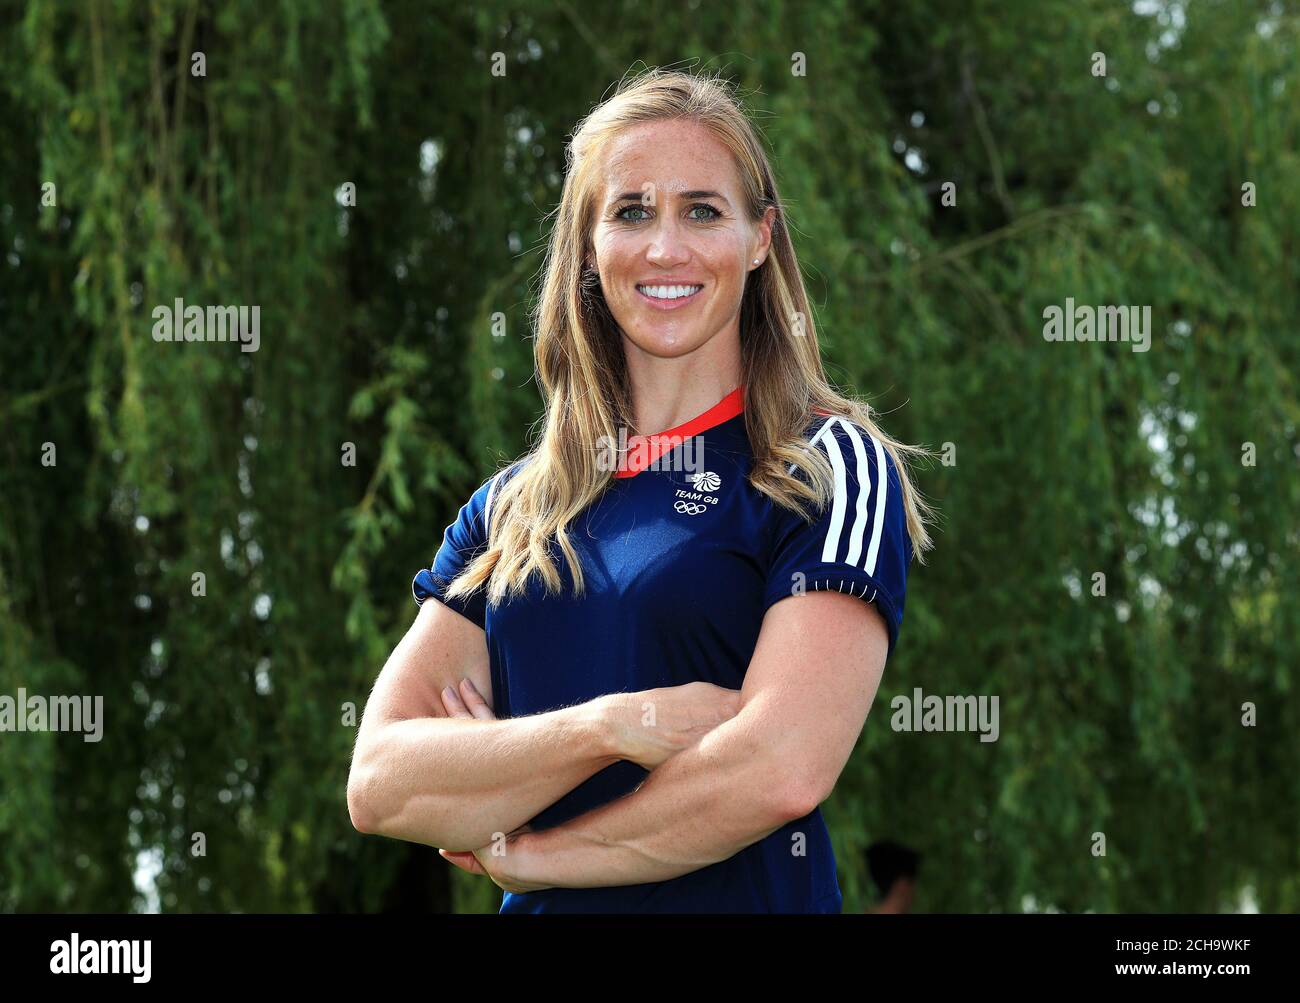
{"x":659,"y":154}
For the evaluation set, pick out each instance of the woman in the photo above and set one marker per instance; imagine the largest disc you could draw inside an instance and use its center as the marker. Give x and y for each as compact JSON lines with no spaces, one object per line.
{"x":612,"y":706}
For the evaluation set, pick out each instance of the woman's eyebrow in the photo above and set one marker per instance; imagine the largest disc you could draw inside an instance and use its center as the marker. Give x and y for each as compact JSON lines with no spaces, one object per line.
{"x":697,"y":194}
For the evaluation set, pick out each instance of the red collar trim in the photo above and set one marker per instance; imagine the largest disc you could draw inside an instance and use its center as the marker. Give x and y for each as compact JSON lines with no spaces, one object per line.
{"x":643,"y":450}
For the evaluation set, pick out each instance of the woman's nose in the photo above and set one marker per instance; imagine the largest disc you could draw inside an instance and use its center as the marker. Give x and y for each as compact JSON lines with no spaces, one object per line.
{"x":667,"y":245}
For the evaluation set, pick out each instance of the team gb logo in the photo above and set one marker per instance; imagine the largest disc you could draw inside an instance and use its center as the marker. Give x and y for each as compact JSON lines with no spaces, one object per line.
{"x":697,"y":502}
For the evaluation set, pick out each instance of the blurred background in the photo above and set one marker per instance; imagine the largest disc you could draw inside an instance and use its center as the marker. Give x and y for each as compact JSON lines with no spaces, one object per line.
{"x":166,"y":149}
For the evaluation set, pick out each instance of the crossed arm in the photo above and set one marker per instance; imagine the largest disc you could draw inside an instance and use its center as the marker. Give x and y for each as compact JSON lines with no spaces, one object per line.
{"x":806,"y":695}
{"x":422,"y":775}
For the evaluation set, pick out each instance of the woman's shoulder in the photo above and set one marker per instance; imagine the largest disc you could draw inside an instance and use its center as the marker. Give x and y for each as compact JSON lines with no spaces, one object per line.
{"x":820,"y":424}
{"x":842,"y":436}
{"x":490,"y":489}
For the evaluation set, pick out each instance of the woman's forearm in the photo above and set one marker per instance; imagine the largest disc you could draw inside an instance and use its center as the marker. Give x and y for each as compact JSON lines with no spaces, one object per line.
{"x":700,"y":807}
{"x":453,"y":783}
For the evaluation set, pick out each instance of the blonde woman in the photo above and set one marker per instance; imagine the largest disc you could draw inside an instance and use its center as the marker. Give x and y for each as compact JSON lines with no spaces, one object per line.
{"x":657,"y":635}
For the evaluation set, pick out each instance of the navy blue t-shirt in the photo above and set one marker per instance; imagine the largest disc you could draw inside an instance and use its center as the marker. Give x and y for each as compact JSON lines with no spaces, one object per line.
{"x":680,"y":566}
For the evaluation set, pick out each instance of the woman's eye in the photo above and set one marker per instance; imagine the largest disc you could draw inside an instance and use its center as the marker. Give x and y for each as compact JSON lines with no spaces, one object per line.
{"x":712,"y":213}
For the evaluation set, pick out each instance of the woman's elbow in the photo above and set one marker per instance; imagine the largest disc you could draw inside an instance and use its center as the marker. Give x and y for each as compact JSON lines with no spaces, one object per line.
{"x":377,"y":809}
{"x":369,"y":792}
{"x":361,"y":799}
{"x":795,"y":793}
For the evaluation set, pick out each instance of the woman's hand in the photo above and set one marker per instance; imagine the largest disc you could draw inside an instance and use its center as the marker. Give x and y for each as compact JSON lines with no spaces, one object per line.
{"x":507,"y":868}
{"x":651,"y":726}
{"x":468,"y":702}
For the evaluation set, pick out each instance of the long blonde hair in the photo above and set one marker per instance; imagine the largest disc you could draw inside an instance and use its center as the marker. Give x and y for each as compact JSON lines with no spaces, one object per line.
{"x":582,"y":372}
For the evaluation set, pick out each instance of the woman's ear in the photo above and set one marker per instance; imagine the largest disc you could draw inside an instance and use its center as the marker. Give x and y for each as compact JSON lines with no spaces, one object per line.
{"x":765,"y":233}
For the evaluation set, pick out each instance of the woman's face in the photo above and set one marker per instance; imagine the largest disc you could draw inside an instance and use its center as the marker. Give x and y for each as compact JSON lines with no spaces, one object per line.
{"x":671,"y":216}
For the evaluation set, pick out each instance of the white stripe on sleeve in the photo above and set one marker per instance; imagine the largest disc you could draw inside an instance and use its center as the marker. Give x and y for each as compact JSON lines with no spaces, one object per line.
{"x":487,"y":505}
{"x":882,"y":490}
{"x":864,"y":484}
{"x":832,"y":545}
{"x":826,"y":437}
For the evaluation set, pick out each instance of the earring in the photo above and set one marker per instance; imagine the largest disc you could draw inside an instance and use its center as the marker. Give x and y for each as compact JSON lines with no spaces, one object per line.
{"x":756,"y":261}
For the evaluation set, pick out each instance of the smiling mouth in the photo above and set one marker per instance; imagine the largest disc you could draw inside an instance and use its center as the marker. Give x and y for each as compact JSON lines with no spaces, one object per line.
{"x":668,"y":297}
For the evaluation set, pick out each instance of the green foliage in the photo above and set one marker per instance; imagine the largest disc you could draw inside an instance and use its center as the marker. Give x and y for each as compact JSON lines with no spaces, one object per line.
{"x":1119,"y":714}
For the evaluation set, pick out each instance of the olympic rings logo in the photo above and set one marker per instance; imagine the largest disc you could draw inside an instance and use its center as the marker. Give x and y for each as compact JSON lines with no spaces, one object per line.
{"x":689,"y":508}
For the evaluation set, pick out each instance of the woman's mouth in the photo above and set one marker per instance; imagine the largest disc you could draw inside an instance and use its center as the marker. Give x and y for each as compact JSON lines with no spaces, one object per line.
{"x":668,"y":297}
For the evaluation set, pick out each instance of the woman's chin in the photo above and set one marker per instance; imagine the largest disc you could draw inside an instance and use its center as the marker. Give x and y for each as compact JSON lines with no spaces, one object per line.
{"x":666,"y":344}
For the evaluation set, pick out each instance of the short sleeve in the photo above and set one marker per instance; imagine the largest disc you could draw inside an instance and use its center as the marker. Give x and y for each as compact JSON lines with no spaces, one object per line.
{"x":858,"y":544}
{"x":462,"y":541}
